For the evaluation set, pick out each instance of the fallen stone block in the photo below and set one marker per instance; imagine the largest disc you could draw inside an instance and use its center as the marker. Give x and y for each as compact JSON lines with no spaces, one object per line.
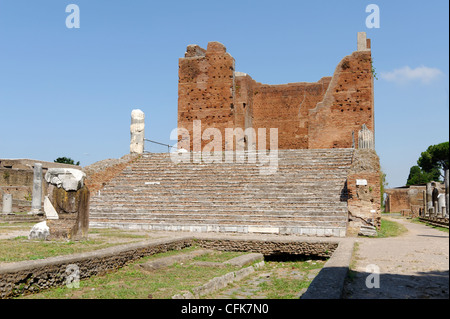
{"x":170,"y":260}
{"x":39,"y":231}
{"x":244,"y":260}
{"x":369,"y":231}
{"x":209,"y":264}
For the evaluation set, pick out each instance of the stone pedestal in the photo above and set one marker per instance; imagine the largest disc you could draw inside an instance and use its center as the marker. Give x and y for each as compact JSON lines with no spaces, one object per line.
{"x":70,"y":199}
{"x":73,"y":213}
{"x":7,"y":204}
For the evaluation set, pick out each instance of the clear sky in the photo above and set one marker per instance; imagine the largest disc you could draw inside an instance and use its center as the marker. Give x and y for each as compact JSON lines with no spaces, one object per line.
{"x":70,"y":92}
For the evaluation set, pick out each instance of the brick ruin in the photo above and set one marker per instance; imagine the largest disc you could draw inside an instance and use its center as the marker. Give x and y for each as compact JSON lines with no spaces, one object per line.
{"x":335,"y":112}
{"x":324,"y":114}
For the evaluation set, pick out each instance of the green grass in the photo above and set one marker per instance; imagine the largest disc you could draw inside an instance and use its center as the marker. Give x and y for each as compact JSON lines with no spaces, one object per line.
{"x":390,"y":229}
{"x":131,"y":282}
{"x":279,"y":287}
{"x":20,"y":248}
{"x":219,"y":257}
{"x":417,"y":221}
{"x":281,"y":284}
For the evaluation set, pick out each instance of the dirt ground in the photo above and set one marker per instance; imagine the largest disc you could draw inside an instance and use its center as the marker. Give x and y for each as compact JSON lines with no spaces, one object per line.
{"x":414,"y":265}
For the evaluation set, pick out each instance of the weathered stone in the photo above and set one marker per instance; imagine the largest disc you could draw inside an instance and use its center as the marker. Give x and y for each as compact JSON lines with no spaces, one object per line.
{"x":73,"y":210}
{"x":7,"y":204}
{"x":49,"y":210}
{"x":369,"y":231}
{"x":170,"y":260}
{"x":68,"y":178}
{"x":137,"y":130}
{"x":39,"y":231}
{"x":441,"y":204}
{"x":364,"y":203}
{"x":244,"y":260}
{"x":446,"y":182}
{"x":365,"y":138}
{"x":361,"y":41}
{"x":429,"y":198}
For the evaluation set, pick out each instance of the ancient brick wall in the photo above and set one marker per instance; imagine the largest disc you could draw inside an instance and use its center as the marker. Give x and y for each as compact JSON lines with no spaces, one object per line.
{"x":206,"y":89}
{"x":398,"y":200}
{"x":287,"y":107}
{"x":100,"y":173}
{"x":364,"y":192}
{"x":347,"y":105}
{"x":323,"y":114}
{"x":407,"y":199}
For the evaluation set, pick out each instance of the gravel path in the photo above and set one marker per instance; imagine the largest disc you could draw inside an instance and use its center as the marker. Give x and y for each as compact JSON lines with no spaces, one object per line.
{"x":412,"y":266}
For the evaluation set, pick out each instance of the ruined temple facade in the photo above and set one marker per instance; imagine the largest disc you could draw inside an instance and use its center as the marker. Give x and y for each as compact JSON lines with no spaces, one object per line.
{"x":324,"y":114}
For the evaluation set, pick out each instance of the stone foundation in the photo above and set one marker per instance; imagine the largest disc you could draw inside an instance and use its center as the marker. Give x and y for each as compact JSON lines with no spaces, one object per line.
{"x":26,"y":277}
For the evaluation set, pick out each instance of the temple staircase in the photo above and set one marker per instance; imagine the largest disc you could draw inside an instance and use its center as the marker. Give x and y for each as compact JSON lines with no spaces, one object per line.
{"x":306,"y":195}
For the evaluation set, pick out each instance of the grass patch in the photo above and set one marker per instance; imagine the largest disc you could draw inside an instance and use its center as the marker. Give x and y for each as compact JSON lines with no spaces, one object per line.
{"x":417,"y":221}
{"x":219,"y":256}
{"x":352,"y":267}
{"x":21,"y":248}
{"x":131,"y":282}
{"x":390,"y":228}
{"x":280,"y":278}
{"x":281,"y":286}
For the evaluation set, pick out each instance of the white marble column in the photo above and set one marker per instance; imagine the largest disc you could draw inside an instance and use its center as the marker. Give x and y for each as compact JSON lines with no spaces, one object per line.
{"x":36,"y":202}
{"x":137,"y":132}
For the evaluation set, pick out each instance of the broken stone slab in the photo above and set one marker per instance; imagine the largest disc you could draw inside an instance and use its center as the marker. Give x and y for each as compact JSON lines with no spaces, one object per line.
{"x":369,"y":231}
{"x":39,"y":231}
{"x":170,"y":260}
{"x":209,"y":264}
{"x":244,"y":260}
{"x":219,"y":282}
{"x":49,"y":210}
{"x":69,"y":179}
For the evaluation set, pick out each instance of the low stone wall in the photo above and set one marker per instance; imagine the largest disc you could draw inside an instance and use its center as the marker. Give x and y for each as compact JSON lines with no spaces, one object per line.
{"x":436,"y":221}
{"x":271,"y":247}
{"x":329,"y":283}
{"x":32,"y":276}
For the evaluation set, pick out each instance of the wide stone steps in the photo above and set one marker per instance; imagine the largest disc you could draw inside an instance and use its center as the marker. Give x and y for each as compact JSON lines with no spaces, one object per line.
{"x":306,"y":195}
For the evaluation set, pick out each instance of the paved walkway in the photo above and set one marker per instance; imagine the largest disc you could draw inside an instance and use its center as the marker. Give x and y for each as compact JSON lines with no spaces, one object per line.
{"x":414,"y":265}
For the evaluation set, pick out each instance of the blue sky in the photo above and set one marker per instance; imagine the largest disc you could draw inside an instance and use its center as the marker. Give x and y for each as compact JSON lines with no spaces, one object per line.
{"x":70,"y":92}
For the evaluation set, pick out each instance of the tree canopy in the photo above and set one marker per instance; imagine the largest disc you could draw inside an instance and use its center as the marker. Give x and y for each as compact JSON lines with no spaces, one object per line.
{"x":66,"y":160}
{"x":431,"y":165}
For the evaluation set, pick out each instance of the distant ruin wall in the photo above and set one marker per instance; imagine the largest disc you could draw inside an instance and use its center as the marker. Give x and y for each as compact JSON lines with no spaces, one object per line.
{"x":16,"y":178}
{"x":323,"y":114}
